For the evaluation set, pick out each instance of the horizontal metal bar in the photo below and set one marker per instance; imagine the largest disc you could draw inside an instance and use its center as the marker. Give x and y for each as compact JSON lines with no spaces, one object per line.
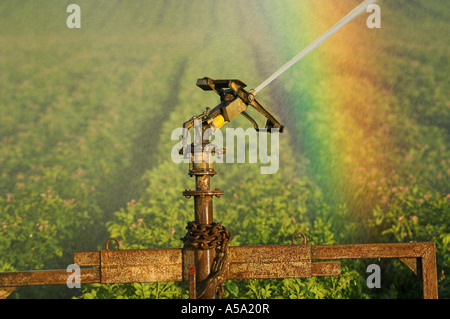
{"x":141,"y":265}
{"x":45,"y":277}
{"x":87,"y":259}
{"x":270,"y":253}
{"x":270,"y":261}
{"x":405,"y":250}
{"x":325,"y":268}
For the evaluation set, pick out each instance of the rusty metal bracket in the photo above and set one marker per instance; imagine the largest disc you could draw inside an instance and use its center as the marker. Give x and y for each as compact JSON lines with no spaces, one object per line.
{"x":424,"y":255}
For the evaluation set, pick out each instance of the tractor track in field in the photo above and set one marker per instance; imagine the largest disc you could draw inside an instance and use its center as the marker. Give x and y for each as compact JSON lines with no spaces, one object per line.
{"x":127,"y":183}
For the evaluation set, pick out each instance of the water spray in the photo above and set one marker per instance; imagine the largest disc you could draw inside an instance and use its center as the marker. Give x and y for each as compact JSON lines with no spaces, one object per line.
{"x":313,"y":45}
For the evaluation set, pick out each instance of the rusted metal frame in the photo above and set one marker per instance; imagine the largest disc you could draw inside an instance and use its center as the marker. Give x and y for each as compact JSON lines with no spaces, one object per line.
{"x":245,"y":262}
{"x":419,"y":257}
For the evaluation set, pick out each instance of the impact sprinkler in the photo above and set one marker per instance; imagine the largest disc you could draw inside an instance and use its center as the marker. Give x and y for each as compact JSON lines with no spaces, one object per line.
{"x":209,"y":239}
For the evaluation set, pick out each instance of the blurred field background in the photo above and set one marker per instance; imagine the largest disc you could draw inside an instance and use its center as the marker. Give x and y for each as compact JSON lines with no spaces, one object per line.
{"x":86,"y":117}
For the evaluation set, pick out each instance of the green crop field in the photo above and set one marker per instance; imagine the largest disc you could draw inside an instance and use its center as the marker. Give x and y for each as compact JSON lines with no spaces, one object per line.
{"x":86,"y":117}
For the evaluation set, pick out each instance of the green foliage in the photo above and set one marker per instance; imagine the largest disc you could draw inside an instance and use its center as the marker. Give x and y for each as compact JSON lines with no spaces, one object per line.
{"x":348,"y":285}
{"x":39,"y":227}
{"x":86,"y":119}
{"x":163,"y":290}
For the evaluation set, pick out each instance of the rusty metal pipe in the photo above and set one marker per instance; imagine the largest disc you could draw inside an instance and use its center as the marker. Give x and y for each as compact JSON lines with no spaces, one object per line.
{"x":202,"y":168}
{"x":203,"y":209}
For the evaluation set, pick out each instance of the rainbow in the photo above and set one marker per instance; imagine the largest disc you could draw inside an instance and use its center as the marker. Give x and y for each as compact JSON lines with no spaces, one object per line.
{"x":335,"y":103}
